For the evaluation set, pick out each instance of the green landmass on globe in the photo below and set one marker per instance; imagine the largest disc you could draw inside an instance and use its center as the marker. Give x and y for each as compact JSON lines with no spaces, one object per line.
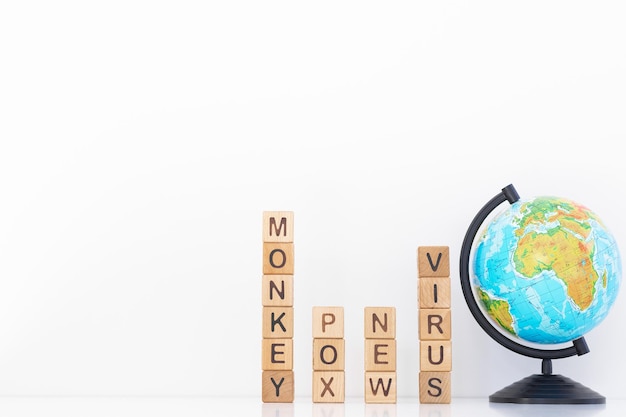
{"x":546,"y":270}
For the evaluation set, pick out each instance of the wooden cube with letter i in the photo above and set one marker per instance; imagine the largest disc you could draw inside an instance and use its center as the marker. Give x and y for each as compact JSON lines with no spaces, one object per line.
{"x":435,"y":324}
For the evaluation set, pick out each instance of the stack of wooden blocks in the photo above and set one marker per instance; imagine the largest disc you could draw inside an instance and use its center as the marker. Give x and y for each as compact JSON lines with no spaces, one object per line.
{"x":328,"y":355}
{"x":380,"y":355}
{"x":277,"y":296}
{"x":435,"y":326}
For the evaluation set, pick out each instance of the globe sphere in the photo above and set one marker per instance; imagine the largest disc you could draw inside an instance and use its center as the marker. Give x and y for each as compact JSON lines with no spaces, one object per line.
{"x":546,"y":270}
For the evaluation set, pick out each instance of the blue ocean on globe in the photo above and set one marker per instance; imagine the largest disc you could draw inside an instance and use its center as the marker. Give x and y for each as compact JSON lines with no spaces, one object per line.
{"x":546,"y":270}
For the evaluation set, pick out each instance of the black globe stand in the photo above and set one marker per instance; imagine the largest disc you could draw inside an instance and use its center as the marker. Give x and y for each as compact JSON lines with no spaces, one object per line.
{"x":547,"y":388}
{"x":544,"y":388}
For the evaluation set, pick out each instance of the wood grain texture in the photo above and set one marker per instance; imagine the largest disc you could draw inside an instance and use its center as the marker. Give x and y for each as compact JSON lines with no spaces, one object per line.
{"x":278,"y":386}
{"x":434,"y":293}
{"x":436,"y":355}
{"x":380,"y":387}
{"x":277,"y":322}
{"x":380,"y":322}
{"x":435,"y":387}
{"x":435,"y":324}
{"x":327,"y":322}
{"x":278,"y":226}
{"x":277,"y":291}
{"x":277,"y":355}
{"x":329,"y":354}
{"x":433,"y":261}
{"x":328,"y":387}
{"x":380,"y":354}
{"x":278,"y":258}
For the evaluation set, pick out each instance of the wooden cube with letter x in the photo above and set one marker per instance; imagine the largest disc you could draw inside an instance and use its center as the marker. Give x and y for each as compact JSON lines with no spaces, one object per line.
{"x":328,"y":355}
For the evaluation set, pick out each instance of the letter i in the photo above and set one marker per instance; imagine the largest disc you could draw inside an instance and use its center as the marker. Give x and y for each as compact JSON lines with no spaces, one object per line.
{"x":433,"y":265}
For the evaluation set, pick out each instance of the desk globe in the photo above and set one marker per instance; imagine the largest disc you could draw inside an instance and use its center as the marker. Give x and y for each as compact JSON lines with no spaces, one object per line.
{"x":545,"y":272}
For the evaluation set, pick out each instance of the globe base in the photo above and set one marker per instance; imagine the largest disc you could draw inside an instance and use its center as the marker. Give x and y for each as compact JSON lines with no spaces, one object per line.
{"x":547,"y":389}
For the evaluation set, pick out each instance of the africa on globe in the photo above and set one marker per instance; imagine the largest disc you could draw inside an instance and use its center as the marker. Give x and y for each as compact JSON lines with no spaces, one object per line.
{"x":546,"y":270}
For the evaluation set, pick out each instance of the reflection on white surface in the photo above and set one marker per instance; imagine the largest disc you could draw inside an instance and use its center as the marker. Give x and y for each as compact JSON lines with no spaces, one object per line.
{"x":302,"y":407}
{"x":328,"y":410}
{"x":548,"y":410}
{"x":278,"y":410}
{"x":381,"y":410}
{"x":435,"y":410}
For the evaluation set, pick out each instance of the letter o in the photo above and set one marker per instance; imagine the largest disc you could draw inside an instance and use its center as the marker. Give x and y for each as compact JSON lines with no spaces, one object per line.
{"x":282,"y":252}
{"x":323,"y":349}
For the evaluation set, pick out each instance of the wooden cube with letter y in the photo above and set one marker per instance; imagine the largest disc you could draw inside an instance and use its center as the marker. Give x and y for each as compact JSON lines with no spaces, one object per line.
{"x":277,"y":299}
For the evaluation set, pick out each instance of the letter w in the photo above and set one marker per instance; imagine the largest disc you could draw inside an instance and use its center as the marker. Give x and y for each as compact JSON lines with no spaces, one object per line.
{"x":380,"y":384}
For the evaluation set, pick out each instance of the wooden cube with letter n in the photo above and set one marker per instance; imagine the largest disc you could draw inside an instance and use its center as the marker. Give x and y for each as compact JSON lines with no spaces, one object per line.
{"x":380,"y":355}
{"x":328,"y":355}
{"x":277,"y":299}
{"x":435,"y":323}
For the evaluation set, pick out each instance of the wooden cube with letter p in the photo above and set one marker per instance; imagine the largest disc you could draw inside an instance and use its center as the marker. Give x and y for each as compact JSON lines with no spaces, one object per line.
{"x":328,"y":322}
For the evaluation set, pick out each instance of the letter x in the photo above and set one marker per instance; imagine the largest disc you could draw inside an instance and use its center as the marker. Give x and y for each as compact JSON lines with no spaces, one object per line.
{"x":327,"y":386}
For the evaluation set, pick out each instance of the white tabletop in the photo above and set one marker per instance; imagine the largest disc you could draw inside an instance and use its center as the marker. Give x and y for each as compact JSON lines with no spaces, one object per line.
{"x":302,"y":407}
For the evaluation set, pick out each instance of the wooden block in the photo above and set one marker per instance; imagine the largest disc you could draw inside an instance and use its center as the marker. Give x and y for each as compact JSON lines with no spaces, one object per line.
{"x":329,"y":354}
{"x":436,"y":355}
{"x":277,"y":354}
{"x":277,"y":290}
{"x":380,"y":354}
{"x":434,"y":292}
{"x":277,"y":258}
{"x":278,"y":226}
{"x":380,"y":387}
{"x":380,"y":322}
{"x":435,"y":387}
{"x":433,"y":261}
{"x":278,"y":387}
{"x":328,"y":322}
{"x":435,"y":324}
{"x":329,"y":387}
{"x":277,"y":322}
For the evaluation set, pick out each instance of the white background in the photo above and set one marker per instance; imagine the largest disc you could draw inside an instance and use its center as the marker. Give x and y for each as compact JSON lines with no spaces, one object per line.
{"x":141,"y":141}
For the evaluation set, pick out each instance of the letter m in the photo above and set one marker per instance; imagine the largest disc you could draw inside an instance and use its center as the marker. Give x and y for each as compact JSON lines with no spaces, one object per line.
{"x":277,"y":230}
